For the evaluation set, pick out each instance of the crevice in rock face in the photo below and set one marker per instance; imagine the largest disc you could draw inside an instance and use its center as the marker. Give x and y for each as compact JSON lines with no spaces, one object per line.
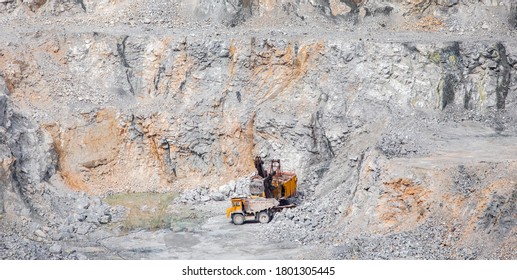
{"x":503,"y":80}
{"x":183,"y":83}
{"x":466,"y":100}
{"x":452,"y":64}
{"x":170,"y":169}
{"x":121,"y":50}
{"x":448,"y":90}
{"x":320,"y":140}
{"x":157,"y":78}
{"x":359,"y":167}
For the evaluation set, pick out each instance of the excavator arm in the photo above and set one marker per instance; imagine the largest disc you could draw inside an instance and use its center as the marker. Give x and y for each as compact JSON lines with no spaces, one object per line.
{"x":260,"y":167}
{"x":268,"y":186}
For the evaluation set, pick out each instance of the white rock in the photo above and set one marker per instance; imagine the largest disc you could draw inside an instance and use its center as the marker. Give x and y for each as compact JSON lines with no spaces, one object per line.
{"x":217,"y":196}
{"x":40,"y":233}
{"x":56,"y":249}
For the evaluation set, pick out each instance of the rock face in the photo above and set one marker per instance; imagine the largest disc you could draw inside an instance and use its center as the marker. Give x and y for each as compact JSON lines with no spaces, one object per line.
{"x":397,"y":116}
{"x":35,"y":205}
{"x":165,"y":109}
{"x":28,"y":158}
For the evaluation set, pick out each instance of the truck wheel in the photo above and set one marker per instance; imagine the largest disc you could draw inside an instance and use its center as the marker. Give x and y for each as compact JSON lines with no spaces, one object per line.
{"x":238,"y":219}
{"x":264,"y":217}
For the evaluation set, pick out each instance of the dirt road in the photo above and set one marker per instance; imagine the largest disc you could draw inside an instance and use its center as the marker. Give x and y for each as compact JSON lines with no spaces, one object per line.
{"x":218,"y":238}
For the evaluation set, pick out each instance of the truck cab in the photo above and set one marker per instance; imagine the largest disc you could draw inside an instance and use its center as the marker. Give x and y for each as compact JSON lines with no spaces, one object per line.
{"x":236,"y":207}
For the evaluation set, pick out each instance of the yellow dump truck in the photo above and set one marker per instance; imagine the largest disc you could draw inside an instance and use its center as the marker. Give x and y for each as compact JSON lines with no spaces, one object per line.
{"x":269,"y":193}
{"x":251,"y":209}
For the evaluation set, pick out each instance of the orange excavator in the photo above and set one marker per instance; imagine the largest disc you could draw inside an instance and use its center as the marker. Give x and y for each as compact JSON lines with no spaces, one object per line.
{"x":276,"y":184}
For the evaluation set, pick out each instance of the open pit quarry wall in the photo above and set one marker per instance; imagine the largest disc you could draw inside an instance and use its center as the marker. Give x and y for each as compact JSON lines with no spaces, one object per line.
{"x":119,"y":108}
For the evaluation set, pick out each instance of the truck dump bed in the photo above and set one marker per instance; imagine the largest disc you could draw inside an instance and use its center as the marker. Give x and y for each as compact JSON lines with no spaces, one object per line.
{"x":253,"y":205}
